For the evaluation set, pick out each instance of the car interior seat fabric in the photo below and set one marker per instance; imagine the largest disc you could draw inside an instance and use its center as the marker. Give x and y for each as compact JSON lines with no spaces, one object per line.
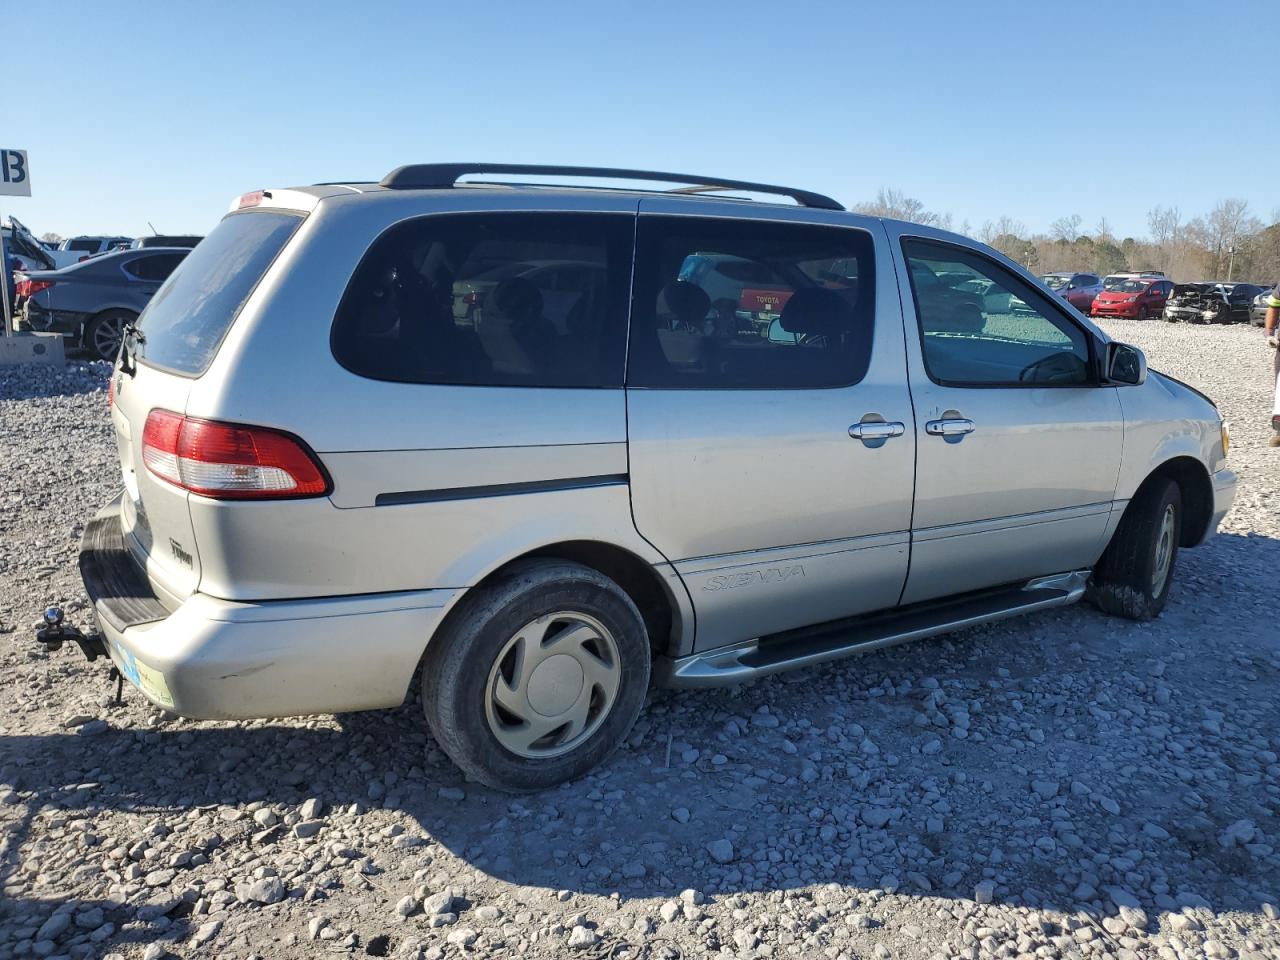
{"x":513,"y":332}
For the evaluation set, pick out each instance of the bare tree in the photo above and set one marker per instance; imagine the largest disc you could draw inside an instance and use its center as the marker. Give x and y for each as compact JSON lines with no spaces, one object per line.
{"x":1005,"y":226}
{"x":1103,"y":230}
{"x":1066,"y":228}
{"x":1165,"y":224}
{"x":51,"y":237}
{"x":1224,"y":227}
{"x":896,"y":205}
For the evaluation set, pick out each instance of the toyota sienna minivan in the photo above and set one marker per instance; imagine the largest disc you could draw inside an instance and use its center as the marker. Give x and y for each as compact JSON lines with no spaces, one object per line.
{"x":496,"y":446}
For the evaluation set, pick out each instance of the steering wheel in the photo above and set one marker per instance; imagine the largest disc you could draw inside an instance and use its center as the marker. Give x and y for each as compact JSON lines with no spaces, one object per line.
{"x":1061,"y":367}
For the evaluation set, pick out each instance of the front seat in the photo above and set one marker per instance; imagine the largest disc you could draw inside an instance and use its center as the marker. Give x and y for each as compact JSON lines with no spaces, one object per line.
{"x":514,"y":334}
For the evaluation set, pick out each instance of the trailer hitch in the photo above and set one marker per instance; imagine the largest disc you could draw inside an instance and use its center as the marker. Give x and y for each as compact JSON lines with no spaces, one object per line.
{"x":55,"y":633}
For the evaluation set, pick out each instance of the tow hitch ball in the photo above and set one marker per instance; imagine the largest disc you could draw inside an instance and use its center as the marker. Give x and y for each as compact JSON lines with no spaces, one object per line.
{"x":55,"y":633}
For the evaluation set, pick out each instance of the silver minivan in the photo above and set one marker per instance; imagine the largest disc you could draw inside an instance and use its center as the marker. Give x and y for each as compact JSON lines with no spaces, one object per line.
{"x":523,"y":448}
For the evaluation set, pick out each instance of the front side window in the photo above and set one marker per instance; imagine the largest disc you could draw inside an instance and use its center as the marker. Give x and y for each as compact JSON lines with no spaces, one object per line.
{"x":991,"y":328}
{"x":738,"y":304}
{"x":518,"y":299}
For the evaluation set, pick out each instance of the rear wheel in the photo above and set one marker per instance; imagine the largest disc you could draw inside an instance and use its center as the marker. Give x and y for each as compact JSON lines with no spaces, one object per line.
{"x":1133,"y":577}
{"x":538,"y":677}
{"x":105,"y":332}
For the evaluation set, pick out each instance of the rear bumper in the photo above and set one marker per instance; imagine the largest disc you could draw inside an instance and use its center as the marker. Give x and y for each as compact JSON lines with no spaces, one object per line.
{"x":37,"y":318}
{"x":218,"y":659}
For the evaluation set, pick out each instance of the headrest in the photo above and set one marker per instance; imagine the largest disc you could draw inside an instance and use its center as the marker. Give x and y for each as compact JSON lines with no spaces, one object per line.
{"x":815,"y":311}
{"x":517,"y":299}
{"x":685,"y":301}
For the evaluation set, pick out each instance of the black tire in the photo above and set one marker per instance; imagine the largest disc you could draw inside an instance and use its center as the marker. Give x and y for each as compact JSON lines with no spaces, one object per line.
{"x":457,"y":669}
{"x":1124,"y":581}
{"x":104,"y":333}
{"x":1144,"y":313}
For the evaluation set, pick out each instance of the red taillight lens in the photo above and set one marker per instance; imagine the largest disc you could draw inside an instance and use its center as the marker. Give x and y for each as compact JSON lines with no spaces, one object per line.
{"x":227,"y":461}
{"x":471,"y":299}
{"x":111,"y":392}
{"x":29,"y":288}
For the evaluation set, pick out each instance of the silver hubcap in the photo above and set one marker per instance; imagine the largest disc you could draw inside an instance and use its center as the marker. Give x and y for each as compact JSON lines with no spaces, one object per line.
{"x":1164,"y":552}
{"x":107,"y":336}
{"x":552,"y":685}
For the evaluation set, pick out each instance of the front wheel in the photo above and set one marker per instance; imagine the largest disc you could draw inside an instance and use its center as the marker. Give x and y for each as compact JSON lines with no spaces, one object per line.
{"x":1133,"y":577}
{"x":538,"y":677}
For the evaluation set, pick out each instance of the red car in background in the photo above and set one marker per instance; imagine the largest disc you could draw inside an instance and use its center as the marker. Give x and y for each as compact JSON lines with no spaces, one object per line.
{"x":1139,"y":298}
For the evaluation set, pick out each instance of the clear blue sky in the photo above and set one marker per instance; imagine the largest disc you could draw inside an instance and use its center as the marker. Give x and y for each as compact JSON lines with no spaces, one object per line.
{"x":164,"y":111}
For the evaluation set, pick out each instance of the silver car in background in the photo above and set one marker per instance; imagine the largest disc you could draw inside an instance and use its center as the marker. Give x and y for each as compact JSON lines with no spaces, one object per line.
{"x":367,"y":453}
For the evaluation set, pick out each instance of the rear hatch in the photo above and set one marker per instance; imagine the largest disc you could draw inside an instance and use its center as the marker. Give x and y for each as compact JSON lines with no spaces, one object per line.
{"x":179,"y":335}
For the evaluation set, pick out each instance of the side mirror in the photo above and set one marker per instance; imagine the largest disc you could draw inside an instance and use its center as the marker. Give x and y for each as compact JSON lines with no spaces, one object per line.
{"x":1126,"y":364}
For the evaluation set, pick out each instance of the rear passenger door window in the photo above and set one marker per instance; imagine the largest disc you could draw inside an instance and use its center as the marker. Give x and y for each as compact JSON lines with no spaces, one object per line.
{"x":513,"y":299}
{"x":154,"y":269}
{"x":750,"y":305}
{"x":1011,"y":335}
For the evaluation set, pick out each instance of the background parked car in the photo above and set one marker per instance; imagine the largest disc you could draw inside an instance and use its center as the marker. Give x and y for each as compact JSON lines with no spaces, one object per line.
{"x":29,"y":252}
{"x":1239,"y":298}
{"x":166,"y":240}
{"x":1078,"y":289}
{"x":1197,"y":303}
{"x":76,"y":249}
{"x":1140,"y":298}
{"x":1258,"y":309}
{"x":90,"y":303}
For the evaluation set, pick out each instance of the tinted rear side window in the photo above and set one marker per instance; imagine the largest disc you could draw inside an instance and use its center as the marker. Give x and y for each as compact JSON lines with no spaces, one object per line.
{"x":187,"y":318}
{"x":156,"y":267}
{"x":523,"y":299}
{"x":737,"y":304}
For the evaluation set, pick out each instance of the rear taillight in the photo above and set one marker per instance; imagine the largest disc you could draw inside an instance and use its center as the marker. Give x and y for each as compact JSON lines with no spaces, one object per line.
{"x":230,"y":461}
{"x":111,"y":392}
{"x":29,"y":288}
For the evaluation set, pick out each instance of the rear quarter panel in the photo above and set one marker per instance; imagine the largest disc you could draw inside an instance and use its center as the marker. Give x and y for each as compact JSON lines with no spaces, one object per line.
{"x":276,"y":369}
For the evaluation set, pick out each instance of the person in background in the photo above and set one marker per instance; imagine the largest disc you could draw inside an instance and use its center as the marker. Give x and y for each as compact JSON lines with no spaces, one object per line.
{"x":10,"y":265}
{"x":1273,"y":341}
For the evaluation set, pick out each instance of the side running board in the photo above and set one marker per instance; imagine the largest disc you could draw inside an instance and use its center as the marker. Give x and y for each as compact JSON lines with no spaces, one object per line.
{"x":842,"y":638}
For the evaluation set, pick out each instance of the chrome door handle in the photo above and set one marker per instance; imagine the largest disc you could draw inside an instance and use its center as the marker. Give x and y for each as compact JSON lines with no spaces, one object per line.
{"x":876,"y":430}
{"x":949,"y":428}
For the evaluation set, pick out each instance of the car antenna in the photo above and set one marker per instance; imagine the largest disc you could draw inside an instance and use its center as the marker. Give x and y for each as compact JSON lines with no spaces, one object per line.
{"x":154,"y":231}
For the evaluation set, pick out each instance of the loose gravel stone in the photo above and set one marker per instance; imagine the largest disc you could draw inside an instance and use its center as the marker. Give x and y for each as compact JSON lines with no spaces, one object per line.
{"x":1098,"y":773}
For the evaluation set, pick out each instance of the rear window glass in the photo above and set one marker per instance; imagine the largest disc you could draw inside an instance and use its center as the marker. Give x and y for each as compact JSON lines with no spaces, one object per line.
{"x":187,"y":318}
{"x":523,"y":299}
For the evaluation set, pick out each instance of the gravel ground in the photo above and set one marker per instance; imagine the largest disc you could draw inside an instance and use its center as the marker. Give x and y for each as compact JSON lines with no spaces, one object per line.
{"x":1059,"y":785}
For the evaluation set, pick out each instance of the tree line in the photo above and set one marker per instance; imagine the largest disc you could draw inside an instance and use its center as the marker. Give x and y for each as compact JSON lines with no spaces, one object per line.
{"x":1227,"y":243}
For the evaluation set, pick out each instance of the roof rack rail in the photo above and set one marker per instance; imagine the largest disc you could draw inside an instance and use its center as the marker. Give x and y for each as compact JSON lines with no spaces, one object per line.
{"x":429,"y":176}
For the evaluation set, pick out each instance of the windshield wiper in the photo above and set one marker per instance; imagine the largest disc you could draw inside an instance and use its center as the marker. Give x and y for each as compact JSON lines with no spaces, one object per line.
{"x":128,"y":344}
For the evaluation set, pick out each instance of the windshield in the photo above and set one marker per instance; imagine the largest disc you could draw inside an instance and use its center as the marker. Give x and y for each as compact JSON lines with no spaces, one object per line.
{"x":1130,"y":286}
{"x":185,"y":322}
{"x":1056,"y":281}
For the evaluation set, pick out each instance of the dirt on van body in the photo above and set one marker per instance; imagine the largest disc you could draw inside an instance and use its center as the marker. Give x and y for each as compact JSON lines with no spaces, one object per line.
{"x":1059,"y":785}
